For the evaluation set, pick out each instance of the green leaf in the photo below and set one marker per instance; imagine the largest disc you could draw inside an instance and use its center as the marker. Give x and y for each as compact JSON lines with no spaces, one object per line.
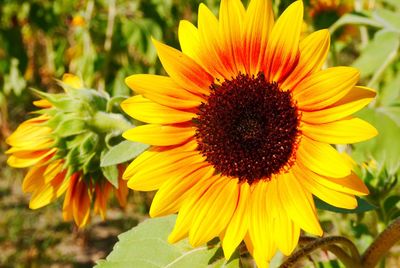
{"x":363,"y":206}
{"x":354,"y":19}
{"x":391,"y":203}
{"x":122,"y":152}
{"x":393,"y":112}
{"x":384,"y":148}
{"x":111,"y":174}
{"x":390,"y":91}
{"x":146,"y":246}
{"x":388,"y":18}
{"x":374,"y":56}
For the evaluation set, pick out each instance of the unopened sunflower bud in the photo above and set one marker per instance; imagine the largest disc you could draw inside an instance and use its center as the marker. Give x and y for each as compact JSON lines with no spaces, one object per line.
{"x":62,"y":147}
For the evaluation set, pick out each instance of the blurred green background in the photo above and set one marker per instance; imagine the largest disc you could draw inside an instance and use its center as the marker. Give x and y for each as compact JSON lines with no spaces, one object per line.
{"x":105,"y":41}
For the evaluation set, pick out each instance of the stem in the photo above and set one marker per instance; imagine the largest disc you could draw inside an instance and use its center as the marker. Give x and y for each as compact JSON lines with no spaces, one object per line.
{"x":329,"y":244}
{"x":110,"y":25}
{"x":112,"y":11}
{"x":343,"y":256}
{"x":381,"y":245}
{"x":337,"y":251}
{"x":110,"y":122}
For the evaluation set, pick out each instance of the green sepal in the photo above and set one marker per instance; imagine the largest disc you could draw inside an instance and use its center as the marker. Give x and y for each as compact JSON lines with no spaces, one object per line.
{"x":363,"y":206}
{"x":61,"y":101}
{"x":89,"y":163}
{"x":89,"y":144}
{"x":72,"y":159}
{"x":69,"y":127}
{"x":111,"y":174}
{"x":93,"y":98}
{"x":122,"y":152}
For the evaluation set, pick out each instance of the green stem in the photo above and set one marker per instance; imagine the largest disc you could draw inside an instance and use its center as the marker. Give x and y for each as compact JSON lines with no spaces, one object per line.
{"x":381,"y":245}
{"x":327,"y":243}
{"x":109,"y":122}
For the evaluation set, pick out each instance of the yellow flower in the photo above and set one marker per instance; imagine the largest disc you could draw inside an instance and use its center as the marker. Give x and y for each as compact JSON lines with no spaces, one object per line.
{"x":78,"y":21}
{"x":34,"y":147}
{"x":241,"y":130}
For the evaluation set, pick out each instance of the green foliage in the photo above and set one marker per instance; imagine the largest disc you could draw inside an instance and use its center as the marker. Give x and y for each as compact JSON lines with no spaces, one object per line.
{"x":146,"y":246}
{"x":376,"y":54}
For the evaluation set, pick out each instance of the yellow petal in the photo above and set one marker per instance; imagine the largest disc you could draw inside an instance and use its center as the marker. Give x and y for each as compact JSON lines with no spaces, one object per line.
{"x":102,"y":193}
{"x":209,"y":35}
{"x":27,"y":159}
{"x":189,"y":209}
{"x":53,"y":169}
{"x":354,"y":100}
{"x":231,"y":15}
{"x":68,"y":199}
{"x":283,"y":45}
{"x":159,"y":170}
{"x":72,"y":80}
{"x":345,"y":131}
{"x":238,"y":225}
{"x":27,"y":135}
{"x":330,"y":196}
{"x":160,"y":135}
{"x":33,"y":179}
{"x":172,"y":193}
{"x":189,"y":39}
{"x":183,"y":70}
{"x":322,"y":158}
{"x":209,"y":222}
{"x":163,"y":90}
{"x":122,"y":192}
{"x":159,"y":152}
{"x":37,"y":145}
{"x":298,"y":203}
{"x":191,"y":45}
{"x":350,"y":184}
{"x":249,"y":243}
{"x":49,"y":192}
{"x":148,"y":111}
{"x":81,"y":204}
{"x":258,"y":23}
{"x":313,"y":51}
{"x":260,"y":226}
{"x":324,"y":88}
{"x":286,"y":233}
{"x":42,"y":103}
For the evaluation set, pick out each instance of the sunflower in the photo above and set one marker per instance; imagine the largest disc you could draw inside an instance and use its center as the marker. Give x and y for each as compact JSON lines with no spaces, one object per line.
{"x":339,"y":7}
{"x":326,"y":12}
{"x":34,"y":146}
{"x":241,"y":130}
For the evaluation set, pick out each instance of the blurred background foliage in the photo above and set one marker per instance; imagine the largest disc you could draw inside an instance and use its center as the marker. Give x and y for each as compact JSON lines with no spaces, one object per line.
{"x":104,"y":41}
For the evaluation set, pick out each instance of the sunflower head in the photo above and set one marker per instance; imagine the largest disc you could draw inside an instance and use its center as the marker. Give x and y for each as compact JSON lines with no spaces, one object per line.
{"x":62,"y":146}
{"x":243,"y":129}
{"x":326,"y":12}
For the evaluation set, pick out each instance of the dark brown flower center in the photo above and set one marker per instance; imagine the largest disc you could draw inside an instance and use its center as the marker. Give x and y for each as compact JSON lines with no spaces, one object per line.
{"x":248,"y":128}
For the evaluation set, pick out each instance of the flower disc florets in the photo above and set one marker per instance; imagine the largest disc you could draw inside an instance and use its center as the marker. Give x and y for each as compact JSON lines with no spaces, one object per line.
{"x":248,"y":128}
